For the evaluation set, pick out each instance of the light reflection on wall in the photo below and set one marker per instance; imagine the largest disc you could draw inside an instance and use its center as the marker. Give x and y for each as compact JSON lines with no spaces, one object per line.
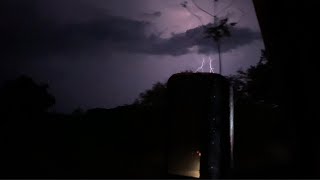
{"x":189,"y":165}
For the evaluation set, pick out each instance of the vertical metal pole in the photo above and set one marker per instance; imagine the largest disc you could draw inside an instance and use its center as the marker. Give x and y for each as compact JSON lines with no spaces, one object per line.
{"x":219,"y":53}
{"x":215,"y":21}
{"x":231,"y":118}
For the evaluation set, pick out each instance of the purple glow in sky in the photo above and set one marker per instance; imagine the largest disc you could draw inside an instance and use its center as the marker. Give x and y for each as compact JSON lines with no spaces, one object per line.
{"x":103,"y":53}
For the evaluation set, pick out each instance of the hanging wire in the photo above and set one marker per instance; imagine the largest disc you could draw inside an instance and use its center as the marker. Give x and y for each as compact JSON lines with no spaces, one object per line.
{"x":191,"y":12}
{"x":202,"y":8}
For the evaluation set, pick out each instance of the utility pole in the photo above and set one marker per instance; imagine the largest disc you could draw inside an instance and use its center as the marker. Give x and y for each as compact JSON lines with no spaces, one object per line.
{"x":215,"y":23}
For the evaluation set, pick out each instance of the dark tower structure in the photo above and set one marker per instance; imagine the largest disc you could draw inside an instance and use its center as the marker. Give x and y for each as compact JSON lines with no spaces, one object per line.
{"x":200,"y":129}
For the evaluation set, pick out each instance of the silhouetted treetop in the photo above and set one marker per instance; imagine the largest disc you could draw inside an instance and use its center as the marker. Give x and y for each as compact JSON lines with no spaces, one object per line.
{"x":153,"y":97}
{"x":258,"y":83}
{"x":25,"y":95}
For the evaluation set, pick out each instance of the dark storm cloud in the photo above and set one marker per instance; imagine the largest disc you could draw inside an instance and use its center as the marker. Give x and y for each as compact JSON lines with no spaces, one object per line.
{"x":239,"y":36}
{"x":27,"y":32}
{"x":152,"y":15}
{"x":183,"y":43}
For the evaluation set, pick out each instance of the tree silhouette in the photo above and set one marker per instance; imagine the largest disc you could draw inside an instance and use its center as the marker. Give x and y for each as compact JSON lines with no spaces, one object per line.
{"x":218,"y":29}
{"x":24,"y":128}
{"x":155,"y":97}
{"x":23,"y":96}
{"x":261,"y":132}
{"x":257,"y":83}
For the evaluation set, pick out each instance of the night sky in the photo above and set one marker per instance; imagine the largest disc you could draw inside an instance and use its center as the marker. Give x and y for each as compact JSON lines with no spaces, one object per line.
{"x":103,"y":53}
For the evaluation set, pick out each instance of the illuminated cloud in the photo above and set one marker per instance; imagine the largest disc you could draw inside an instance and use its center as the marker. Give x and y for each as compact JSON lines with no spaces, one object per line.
{"x":42,"y":36}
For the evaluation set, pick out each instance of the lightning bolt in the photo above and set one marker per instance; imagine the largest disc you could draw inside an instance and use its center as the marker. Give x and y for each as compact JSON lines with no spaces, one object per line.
{"x":201,"y":67}
{"x":211,"y":68}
